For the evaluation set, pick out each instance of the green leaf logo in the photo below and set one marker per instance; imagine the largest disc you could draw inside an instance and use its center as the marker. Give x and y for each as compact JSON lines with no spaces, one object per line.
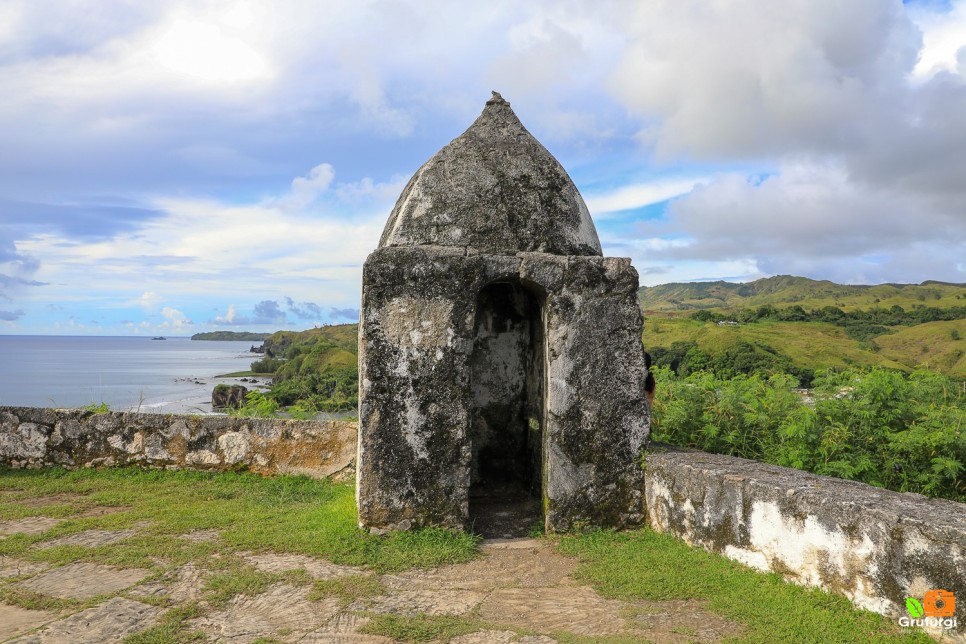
{"x":914,"y":607}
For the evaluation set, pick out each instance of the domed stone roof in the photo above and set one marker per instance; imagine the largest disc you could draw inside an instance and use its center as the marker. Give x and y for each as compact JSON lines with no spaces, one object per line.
{"x":494,"y":188}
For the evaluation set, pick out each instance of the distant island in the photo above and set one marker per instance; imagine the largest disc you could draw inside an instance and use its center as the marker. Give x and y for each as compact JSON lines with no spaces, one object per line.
{"x":231,"y":336}
{"x":160,"y":337}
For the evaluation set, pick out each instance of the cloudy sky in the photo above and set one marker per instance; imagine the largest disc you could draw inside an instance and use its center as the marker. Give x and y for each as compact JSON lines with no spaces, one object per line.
{"x":174,"y":167}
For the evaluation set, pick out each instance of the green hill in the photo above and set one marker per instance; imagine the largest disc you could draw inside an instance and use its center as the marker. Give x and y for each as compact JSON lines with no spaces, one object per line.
{"x":230,"y":336}
{"x":801,"y":325}
{"x":316,"y":369}
{"x":787,"y":290}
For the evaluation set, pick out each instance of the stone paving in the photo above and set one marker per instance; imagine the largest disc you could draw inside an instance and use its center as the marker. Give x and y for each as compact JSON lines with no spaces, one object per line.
{"x":521,"y":590}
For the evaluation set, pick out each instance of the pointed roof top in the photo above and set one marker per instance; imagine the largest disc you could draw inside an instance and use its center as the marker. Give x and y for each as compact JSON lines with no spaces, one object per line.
{"x":494,"y":188}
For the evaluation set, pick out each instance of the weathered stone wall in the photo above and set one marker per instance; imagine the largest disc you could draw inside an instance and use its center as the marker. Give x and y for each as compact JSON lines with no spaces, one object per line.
{"x":416,"y":344}
{"x":33,"y":438}
{"x":875,"y":546}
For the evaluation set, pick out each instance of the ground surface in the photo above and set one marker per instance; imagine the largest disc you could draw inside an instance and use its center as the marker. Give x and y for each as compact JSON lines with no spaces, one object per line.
{"x":150,"y":557}
{"x":520,"y":590}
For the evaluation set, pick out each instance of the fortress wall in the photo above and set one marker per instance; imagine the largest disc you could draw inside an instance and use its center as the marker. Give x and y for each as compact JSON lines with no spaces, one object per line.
{"x":875,"y":546}
{"x":34,"y":438}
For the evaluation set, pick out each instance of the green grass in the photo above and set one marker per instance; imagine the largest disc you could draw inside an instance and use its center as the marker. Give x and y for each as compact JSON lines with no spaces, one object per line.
{"x":239,"y":579}
{"x":347,"y":589}
{"x":422,"y":628}
{"x":284,"y":514}
{"x":650,"y":566}
{"x":172,"y":628}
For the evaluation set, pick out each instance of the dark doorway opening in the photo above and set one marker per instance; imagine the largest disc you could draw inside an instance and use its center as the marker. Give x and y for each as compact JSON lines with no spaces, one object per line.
{"x":507,"y":412}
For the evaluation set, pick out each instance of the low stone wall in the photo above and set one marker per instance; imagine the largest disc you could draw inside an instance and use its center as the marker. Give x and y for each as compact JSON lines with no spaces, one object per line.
{"x":874,"y":546}
{"x":32,"y":438}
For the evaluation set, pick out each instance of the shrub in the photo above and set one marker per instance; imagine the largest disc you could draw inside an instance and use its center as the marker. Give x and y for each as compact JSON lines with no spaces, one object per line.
{"x":267,"y":365}
{"x":882,"y":427}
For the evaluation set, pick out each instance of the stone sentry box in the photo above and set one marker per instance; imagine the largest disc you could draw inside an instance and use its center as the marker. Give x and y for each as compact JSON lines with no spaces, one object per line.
{"x":500,"y":353}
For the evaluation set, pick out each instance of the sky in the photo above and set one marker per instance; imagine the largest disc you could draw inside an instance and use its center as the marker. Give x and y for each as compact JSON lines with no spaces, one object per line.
{"x":173,"y":167}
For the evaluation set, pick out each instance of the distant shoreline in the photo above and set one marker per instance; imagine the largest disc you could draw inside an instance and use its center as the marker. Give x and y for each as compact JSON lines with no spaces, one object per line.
{"x":230,"y":336}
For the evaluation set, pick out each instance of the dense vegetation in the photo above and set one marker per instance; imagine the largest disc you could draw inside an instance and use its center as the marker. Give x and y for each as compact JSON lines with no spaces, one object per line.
{"x":231,"y":336}
{"x":314,"y":370}
{"x":905,"y":432}
{"x":858,"y":324}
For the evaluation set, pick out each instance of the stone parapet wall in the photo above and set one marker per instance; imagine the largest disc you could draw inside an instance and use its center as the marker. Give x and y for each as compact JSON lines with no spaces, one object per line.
{"x":34,"y":438}
{"x":875,"y":546}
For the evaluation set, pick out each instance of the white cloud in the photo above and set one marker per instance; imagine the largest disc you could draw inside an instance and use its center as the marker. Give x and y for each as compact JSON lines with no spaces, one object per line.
{"x":148,"y":301}
{"x":813,"y":220}
{"x":230,"y":316}
{"x":638,"y":195}
{"x":175,"y":319}
{"x":943,"y":39}
{"x":727,"y":79}
{"x":306,"y":189}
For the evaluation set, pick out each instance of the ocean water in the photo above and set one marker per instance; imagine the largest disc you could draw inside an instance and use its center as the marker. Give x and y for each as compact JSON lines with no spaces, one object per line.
{"x":127,"y":373}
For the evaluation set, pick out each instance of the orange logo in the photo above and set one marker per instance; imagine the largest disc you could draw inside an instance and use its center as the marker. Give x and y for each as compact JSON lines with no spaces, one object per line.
{"x":939,"y":603}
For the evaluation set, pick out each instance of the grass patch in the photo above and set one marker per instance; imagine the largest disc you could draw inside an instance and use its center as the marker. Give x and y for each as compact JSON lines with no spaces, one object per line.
{"x":422,"y":628}
{"x":283,"y":514}
{"x":172,"y":628}
{"x":36,"y":601}
{"x":347,"y":589}
{"x":243,"y":580}
{"x":647,"y":565}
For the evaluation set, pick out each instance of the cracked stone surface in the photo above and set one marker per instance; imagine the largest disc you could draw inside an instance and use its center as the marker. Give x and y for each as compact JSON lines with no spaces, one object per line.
{"x":183,"y":585}
{"x":518,"y":562}
{"x":28,"y":525}
{"x":318,"y":568}
{"x":486,"y":637}
{"x":83,"y":580}
{"x":16,"y":621}
{"x":578,"y":610}
{"x":10,"y":567}
{"x":344,"y":627}
{"x":428,"y":602}
{"x":112,"y":621}
{"x":89,"y":538}
{"x":520,"y":583}
{"x":282,"y":612}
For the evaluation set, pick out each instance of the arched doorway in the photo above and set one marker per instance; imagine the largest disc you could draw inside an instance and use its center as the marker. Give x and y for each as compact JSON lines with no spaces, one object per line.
{"x":507,"y":411}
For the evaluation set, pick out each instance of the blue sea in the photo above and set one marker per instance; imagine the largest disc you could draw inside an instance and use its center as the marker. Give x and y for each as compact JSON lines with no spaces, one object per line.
{"x":127,"y":373}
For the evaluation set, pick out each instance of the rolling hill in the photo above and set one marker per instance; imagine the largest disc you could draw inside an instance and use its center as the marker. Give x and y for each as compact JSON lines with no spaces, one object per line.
{"x":788,"y":290}
{"x":807,"y":324}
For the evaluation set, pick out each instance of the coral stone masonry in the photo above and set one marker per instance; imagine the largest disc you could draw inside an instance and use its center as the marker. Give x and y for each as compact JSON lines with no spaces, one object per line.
{"x":500,"y":354}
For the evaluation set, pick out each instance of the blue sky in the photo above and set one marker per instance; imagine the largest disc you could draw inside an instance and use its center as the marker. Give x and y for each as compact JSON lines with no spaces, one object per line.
{"x":176,"y":167}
